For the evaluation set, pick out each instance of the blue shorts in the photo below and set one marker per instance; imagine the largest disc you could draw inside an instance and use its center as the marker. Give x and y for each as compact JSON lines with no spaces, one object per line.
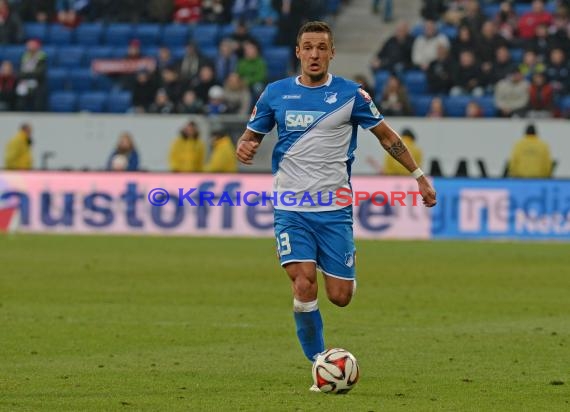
{"x":325,"y":238}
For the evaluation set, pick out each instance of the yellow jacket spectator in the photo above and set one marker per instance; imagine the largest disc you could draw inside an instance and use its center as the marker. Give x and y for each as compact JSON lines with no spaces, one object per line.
{"x":223,"y":155}
{"x":530,"y":157}
{"x":392,"y":167}
{"x":19,"y":150}
{"x":187,"y":152}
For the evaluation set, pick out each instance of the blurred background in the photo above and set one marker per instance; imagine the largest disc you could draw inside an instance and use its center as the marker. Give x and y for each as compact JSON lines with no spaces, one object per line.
{"x":101,"y":101}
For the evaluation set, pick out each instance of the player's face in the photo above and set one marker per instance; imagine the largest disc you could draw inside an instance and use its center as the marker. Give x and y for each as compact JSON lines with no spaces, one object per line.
{"x":315,"y":51}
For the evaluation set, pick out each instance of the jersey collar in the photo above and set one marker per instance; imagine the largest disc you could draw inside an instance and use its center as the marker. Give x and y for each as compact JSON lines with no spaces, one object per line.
{"x":327,"y":83}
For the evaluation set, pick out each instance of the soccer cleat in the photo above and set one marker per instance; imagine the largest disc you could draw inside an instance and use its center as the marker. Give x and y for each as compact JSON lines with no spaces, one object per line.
{"x":314,"y":388}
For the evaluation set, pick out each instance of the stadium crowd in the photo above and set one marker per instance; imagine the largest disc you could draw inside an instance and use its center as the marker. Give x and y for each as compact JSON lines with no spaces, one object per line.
{"x":478,"y":58}
{"x":156,"y":56}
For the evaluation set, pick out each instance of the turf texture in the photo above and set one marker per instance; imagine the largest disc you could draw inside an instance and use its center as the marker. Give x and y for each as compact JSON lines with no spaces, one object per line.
{"x":98,"y":323}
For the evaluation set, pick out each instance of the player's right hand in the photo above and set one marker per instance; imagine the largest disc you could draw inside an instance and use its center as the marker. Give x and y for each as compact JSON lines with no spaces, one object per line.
{"x":246,"y":150}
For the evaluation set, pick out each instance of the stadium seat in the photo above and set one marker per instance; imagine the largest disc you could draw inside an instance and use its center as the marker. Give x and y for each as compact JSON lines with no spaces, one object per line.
{"x":206,"y":35}
{"x":516,"y":55}
{"x":454,"y":106}
{"x":449,"y":31}
{"x":522,"y":8}
{"x":51,"y":52}
{"x":89,"y":34}
{"x":95,"y":102}
{"x":209,"y":52}
{"x":491,"y":10}
{"x":98,"y":52}
{"x":63,"y":102}
{"x":565,"y":105}
{"x":36,"y":31}
{"x":148,"y":34}
{"x":421,"y":104}
{"x":415,"y":81}
{"x":118,"y":34}
{"x":14,"y":54}
{"x":70,"y":56}
{"x":119,"y":52}
{"x":380,"y":79}
{"x":265,"y":35}
{"x":102,"y":83}
{"x":119,"y":102}
{"x":81,"y":80}
{"x":333,"y":6}
{"x":175,"y":35}
{"x":59,"y":35}
{"x":226,"y":30}
{"x":57,"y":79}
{"x":178,"y":52}
{"x":487,"y":104}
{"x":150,"y":51}
{"x":417,"y":30}
{"x":277,"y":59}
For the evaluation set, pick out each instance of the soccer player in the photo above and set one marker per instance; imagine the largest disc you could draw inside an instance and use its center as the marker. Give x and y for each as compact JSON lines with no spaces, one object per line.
{"x":317,"y":115}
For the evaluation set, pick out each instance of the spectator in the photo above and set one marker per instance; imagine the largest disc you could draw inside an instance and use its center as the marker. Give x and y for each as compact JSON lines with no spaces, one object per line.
{"x":244,"y":10}
{"x":164,"y":59}
{"x":241,"y":36}
{"x":473,"y":110}
{"x":10,"y":24}
{"x":187,"y":11}
{"x":8,"y":81}
{"x":216,"y":101}
{"x":162,"y":103}
{"x":440,"y":72}
{"x":125,"y":156}
{"x":191,"y":63}
{"x":560,"y":31}
{"x":530,"y":157}
{"x":144,"y":92}
{"x":67,"y":12}
{"x":253,"y":69}
{"x":558,"y":71}
{"x":432,"y":9}
{"x":238,"y":97}
{"x":187,"y":151}
{"x":18,"y":155}
{"x":40,"y":11}
{"x":529,"y":21}
{"x":392,"y":167}
{"x":503,"y":65}
{"x":226,"y":60}
{"x":222,"y":156}
{"x":204,"y":82}
{"x":266,"y":13}
{"x":190,"y":104}
{"x":489,"y":42}
{"x":541,"y":97}
{"x":512,"y":95}
{"x":541,"y":44}
{"x":530,"y":64}
{"x":388,"y":7}
{"x":424,"y":49}
{"x":467,"y":77}
{"x":454,"y":12}
{"x":473,"y":18}
{"x":171,"y":83}
{"x":363,"y":82}
{"x":160,"y":10}
{"x":436,"y":108}
{"x":506,"y":21}
{"x":395,"y":100}
{"x":31,"y":84}
{"x":396,"y":54}
{"x":463,"y":42}
{"x":216,"y":11}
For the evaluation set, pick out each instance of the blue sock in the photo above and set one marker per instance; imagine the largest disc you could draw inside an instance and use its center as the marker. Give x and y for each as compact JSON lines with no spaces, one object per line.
{"x":309,"y":328}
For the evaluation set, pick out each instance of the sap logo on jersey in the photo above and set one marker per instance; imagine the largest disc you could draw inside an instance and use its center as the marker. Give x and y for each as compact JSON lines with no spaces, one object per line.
{"x":299,"y":120}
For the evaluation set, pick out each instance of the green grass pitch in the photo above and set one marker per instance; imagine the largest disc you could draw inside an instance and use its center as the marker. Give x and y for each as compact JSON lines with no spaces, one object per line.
{"x":196,"y":324}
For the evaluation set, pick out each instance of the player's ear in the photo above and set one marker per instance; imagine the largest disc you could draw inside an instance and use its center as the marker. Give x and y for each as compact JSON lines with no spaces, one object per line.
{"x":297,"y":51}
{"x":333,"y":50}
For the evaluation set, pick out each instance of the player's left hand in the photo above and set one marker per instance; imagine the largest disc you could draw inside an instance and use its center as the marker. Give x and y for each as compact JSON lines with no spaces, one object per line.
{"x":427,"y":191}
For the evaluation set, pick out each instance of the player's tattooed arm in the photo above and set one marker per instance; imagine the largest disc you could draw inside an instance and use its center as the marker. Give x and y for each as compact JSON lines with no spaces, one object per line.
{"x":395,"y":148}
{"x":247,"y":146}
{"x":391,"y":142}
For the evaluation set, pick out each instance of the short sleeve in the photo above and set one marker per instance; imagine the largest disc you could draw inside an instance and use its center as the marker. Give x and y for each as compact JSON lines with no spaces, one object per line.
{"x":262,"y":118}
{"x":364,"y":111}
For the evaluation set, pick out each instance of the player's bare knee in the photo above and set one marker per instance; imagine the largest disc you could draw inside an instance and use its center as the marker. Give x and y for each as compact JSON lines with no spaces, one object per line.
{"x":341,"y":297}
{"x":305,"y":287}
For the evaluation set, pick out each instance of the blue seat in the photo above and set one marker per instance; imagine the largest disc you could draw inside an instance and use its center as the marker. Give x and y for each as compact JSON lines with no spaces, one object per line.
{"x":178,"y":52}
{"x":333,"y":6}
{"x":380,"y":79}
{"x":102,"y":83}
{"x":36,"y":31}
{"x":522,"y":8}
{"x":14,"y":54}
{"x":175,"y":35}
{"x":63,"y":102}
{"x":118,"y":34}
{"x":226,"y":30}
{"x":70,"y":56}
{"x":417,"y":30}
{"x":98,"y":52}
{"x":95,"y":102}
{"x":81,"y":80}
{"x":57,"y":79}
{"x":421,"y":104}
{"x":210,"y":52}
{"x":491,"y":10}
{"x":51,"y":52}
{"x":487,"y":104}
{"x":416,"y":82}
{"x":59,"y":35}
{"x":119,"y":52}
{"x":516,"y":55}
{"x":449,"y":31}
{"x":148,"y":34}
{"x":455,"y":106}
{"x":277,"y":60}
{"x":206,"y":35}
{"x":89,"y":34}
{"x":150,"y":51}
{"x":265,"y":35}
{"x":565,"y":105}
{"x":119,"y":102}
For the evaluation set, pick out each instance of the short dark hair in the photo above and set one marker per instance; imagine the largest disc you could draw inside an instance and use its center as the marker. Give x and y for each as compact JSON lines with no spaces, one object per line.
{"x":530,"y":129}
{"x":315,"y":27}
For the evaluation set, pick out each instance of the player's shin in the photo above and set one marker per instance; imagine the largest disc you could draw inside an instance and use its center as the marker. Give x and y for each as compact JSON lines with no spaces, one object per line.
{"x":309,"y":327}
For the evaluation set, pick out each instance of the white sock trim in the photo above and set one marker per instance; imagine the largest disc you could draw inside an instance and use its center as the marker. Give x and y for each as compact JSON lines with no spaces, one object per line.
{"x":299,"y":306}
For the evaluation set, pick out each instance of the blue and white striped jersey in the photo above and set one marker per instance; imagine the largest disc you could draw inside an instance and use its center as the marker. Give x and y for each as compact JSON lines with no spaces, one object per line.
{"x":316,"y":128}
